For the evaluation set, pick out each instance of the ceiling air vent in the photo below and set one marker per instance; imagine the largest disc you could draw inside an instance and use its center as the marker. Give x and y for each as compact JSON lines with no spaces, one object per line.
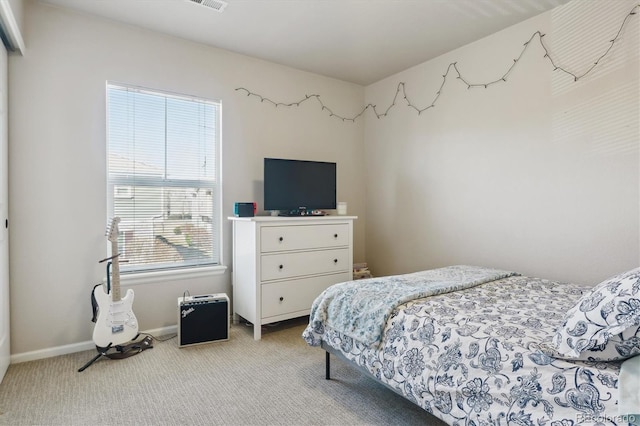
{"x":217,"y":5}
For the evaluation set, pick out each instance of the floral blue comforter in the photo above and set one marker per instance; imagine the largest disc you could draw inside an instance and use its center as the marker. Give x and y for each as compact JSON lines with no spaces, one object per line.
{"x":473,"y":357}
{"x":360,"y":309}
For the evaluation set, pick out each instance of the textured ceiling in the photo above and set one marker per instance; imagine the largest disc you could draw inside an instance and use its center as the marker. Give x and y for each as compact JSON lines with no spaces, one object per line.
{"x":361,"y":41}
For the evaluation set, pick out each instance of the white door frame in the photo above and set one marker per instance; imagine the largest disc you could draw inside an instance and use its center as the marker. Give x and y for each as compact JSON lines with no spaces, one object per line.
{"x":5,"y":340}
{"x":12,"y":37}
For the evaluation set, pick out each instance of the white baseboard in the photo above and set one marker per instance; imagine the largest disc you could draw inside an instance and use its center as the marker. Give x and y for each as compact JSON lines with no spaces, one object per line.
{"x":77,"y":347}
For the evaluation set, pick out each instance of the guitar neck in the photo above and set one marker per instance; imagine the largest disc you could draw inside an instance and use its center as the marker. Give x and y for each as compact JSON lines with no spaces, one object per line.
{"x":115,"y":273}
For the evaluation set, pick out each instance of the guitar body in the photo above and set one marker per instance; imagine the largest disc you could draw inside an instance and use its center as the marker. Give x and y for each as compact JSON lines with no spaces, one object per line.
{"x":116,"y":323}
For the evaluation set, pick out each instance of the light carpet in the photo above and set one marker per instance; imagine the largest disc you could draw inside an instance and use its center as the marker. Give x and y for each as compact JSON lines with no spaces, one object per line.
{"x":276,"y":381}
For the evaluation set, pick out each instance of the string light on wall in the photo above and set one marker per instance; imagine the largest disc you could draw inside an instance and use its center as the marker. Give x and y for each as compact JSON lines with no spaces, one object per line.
{"x":401,"y":88}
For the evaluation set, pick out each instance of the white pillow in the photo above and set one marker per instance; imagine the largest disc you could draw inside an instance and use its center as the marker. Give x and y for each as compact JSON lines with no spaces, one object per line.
{"x":605,"y":323}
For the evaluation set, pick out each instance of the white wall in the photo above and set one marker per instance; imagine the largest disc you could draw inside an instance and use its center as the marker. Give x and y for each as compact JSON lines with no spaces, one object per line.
{"x":539,"y":174}
{"x":57,"y":157}
{"x":17,"y":9}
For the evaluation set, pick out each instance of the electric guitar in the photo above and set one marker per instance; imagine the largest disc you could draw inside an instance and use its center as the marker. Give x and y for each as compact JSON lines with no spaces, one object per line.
{"x":116,"y":324}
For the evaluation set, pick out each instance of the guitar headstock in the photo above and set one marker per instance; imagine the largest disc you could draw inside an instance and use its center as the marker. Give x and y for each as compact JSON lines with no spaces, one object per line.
{"x":112,"y":230}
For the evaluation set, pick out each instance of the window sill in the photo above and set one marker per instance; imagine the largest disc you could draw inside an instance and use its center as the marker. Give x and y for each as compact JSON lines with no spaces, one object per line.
{"x":172,"y":275}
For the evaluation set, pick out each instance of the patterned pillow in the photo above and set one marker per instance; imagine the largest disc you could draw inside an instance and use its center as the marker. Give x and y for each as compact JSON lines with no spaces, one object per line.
{"x":605,"y":323}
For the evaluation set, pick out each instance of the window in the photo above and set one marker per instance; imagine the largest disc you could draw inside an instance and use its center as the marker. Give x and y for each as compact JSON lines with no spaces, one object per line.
{"x":163,"y":178}
{"x":122,"y":191}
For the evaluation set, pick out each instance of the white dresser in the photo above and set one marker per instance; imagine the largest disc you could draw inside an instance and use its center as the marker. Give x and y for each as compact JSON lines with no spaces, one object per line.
{"x":281,"y":264}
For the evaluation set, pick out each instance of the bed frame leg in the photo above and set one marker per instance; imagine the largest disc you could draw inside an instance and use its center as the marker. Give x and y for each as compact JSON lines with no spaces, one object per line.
{"x":327,"y":367}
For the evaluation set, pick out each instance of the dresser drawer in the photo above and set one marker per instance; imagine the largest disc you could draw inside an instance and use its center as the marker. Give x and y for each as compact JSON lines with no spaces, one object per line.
{"x":288,"y":265}
{"x":285,"y":297}
{"x":302,"y":237}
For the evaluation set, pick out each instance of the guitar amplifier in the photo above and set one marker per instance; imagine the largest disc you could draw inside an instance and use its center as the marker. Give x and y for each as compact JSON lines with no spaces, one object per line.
{"x":203,"y":319}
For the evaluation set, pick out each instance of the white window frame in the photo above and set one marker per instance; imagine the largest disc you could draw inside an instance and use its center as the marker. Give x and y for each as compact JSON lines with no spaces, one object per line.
{"x":159,"y":274}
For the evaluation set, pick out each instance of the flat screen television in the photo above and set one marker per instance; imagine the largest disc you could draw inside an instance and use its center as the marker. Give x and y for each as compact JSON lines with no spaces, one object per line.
{"x":297,"y":187}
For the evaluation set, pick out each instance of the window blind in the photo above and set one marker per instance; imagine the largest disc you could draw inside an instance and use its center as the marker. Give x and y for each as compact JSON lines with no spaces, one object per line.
{"x":163,"y":178}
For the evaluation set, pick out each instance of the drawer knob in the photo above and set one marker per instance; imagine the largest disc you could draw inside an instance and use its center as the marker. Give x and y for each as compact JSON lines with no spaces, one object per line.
{"x":281,"y":298}
{"x":280,"y":267}
{"x":281,"y":239}
{"x":335,"y":235}
{"x":335,"y":260}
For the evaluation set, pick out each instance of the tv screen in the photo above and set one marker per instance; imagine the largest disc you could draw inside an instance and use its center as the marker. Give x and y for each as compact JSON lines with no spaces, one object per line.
{"x":298,"y":186}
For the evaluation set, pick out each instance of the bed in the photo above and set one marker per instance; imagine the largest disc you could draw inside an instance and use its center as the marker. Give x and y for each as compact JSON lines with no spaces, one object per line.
{"x":479,"y":346}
